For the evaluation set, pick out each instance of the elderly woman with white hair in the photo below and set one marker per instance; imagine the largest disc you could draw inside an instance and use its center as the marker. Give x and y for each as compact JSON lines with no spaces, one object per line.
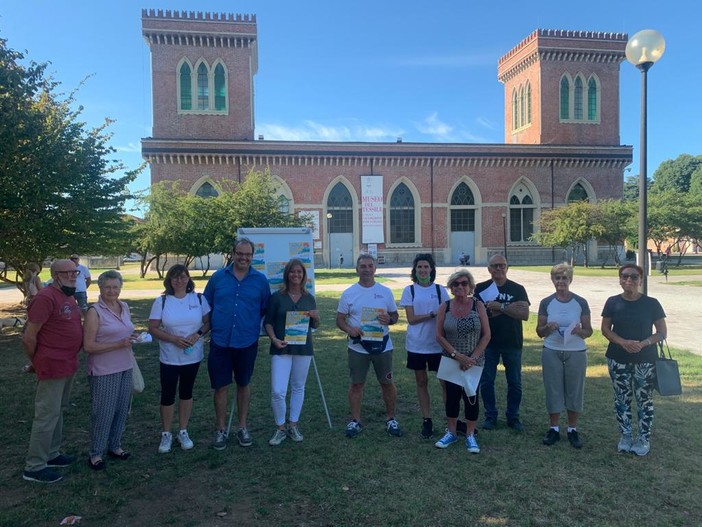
{"x":107,"y":339}
{"x":564,"y":324}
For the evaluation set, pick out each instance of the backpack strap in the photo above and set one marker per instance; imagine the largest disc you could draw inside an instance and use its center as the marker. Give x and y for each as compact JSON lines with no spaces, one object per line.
{"x":412,"y":291}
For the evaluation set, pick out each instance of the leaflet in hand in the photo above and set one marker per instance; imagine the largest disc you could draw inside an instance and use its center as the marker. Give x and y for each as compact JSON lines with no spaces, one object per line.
{"x":297,"y":324}
{"x":370,"y":325}
{"x":489,"y":294}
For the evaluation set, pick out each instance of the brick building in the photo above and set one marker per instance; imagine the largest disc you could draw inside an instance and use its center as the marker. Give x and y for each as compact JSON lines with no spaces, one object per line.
{"x":561,"y":144}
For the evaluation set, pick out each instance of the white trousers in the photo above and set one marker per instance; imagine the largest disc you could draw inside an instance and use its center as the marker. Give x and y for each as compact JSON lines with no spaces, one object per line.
{"x":284,"y":369}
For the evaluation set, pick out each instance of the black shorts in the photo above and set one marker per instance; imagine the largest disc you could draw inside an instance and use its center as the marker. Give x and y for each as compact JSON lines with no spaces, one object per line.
{"x":422,"y":361}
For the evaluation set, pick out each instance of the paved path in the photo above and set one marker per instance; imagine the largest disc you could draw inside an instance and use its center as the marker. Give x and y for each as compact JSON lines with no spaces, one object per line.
{"x":679,"y":302}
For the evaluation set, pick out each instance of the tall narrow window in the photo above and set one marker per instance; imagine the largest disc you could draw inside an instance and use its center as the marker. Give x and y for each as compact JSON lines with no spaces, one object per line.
{"x":522,"y":107}
{"x":578,"y":193}
{"x":578,"y":99}
{"x":515,"y":110}
{"x":206,"y":190}
{"x":565,"y":98}
{"x":203,"y":88}
{"x":592,"y":100}
{"x":521,"y":218}
{"x":402,"y":215}
{"x":186,"y":90}
{"x":340,"y":205}
{"x":220,"y":86}
{"x":528,"y":102}
{"x":462,"y":209}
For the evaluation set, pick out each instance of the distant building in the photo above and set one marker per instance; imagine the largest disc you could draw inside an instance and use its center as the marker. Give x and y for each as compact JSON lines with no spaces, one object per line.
{"x":561,"y":144}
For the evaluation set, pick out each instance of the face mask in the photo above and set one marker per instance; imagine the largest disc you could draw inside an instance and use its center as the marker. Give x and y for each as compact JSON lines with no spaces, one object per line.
{"x":68,"y":291}
{"x":424,"y":280}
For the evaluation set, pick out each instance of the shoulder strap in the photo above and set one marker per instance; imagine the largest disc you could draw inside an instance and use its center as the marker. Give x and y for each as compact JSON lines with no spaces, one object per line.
{"x":412,"y":291}
{"x":199,"y":297}
{"x":163,"y":302}
{"x":448,"y":306}
{"x":438,"y":292}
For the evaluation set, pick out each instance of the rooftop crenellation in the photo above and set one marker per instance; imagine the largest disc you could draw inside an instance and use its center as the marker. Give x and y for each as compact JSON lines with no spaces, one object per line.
{"x":564,"y":33}
{"x":197,"y":15}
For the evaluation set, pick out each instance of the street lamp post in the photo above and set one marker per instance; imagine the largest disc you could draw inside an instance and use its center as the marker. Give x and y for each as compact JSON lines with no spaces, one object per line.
{"x":504,"y":232}
{"x":329,"y":247}
{"x":642,"y":50}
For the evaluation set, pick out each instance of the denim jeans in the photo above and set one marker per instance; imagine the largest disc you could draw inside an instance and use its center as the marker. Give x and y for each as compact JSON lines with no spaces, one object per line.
{"x":512,"y":361}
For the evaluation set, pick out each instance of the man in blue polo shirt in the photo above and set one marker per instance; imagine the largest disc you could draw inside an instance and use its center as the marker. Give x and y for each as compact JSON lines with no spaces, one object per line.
{"x":238,"y":295}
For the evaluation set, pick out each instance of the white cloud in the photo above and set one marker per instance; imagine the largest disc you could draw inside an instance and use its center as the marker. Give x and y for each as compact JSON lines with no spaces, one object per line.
{"x":486,"y":123}
{"x":130,"y":147}
{"x":315,"y":131}
{"x":433,"y":126}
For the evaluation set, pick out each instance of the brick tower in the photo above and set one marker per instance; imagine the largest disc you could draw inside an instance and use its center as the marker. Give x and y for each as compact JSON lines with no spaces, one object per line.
{"x":202,"y":67}
{"x":562,"y":88}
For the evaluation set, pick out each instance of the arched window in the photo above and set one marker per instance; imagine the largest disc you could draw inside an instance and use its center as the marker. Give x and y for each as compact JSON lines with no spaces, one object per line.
{"x":186,"y":90}
{"x":203,"y":88}
{"x":592,"y":100}
{"x":522,"y":107}
{"x":220,"y":88}
{"x":462,"y":209}
{"x":401,"y":215}
{"x":206,"y":190}
{"x":528,"y":102}
{"x":565,"y":98}
{"x":340,"y":204}
{"x":578,"y":99}
{"x":283,"y":204}
{"x":515,"y":110}
{"x":578,"y":193}
{"x":521,"y":218}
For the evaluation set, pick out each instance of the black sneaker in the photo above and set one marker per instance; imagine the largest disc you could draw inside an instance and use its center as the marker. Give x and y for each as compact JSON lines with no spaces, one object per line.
{"x":489,"y":424}
{"x":62,"y":460}
{"x":552,"y":436}
{"x":427,"y":428}
{"x":45,"y":475}
{"x":574,"y":440}
{"x":516,"y":425}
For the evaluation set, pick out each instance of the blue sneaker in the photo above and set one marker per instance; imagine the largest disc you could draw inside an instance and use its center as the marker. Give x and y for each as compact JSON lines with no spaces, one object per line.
{"x":472,"y":444}
{"x":446,"y":441}
{"x":353,"y":429}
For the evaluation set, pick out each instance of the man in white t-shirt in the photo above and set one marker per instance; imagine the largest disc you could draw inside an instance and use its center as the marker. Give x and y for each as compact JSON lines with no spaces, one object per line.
{"x":368,"y":308}
{"x":83,"y":281}
{"x":421,"y":301}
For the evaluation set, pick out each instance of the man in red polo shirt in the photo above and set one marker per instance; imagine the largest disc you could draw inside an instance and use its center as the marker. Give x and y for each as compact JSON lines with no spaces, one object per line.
{"x":52,"y":339}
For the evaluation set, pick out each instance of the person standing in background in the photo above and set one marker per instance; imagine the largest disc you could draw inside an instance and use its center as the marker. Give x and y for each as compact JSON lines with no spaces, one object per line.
{"x":83,"y":282}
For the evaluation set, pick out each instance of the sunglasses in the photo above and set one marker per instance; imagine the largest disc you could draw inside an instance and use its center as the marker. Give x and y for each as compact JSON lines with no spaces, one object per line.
{"x":629,"y":276}
{"x":462,"y":283}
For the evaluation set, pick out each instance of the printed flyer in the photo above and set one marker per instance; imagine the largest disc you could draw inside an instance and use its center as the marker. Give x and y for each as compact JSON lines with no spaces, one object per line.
{"x":297,"y":324}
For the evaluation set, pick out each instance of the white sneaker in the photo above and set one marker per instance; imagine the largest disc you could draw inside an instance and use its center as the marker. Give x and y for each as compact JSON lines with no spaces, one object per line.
{"x":184,"y":440}
{"x":166,"y":442}
{"x":625,"y":443}
{"x":278,"y":437}
{"x":641,"y":447}
{"x":294,"y":434}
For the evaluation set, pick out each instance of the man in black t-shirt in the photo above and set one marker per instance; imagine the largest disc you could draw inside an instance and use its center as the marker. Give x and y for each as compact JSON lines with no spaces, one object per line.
{"x":507,"y":312}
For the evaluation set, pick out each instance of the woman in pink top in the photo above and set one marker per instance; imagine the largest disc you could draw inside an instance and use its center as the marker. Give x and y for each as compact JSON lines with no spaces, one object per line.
{"x":107,"y":338}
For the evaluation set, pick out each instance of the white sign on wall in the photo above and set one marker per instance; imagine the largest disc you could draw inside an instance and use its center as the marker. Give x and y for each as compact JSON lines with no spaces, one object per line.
{"x":372,"y":209}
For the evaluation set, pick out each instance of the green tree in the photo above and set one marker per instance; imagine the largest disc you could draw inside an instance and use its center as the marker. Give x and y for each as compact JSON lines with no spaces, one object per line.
{"x":615,"y":222}
{"x":570,"y":226}
{"x":674,"y":175}
{"x":58,"y":189}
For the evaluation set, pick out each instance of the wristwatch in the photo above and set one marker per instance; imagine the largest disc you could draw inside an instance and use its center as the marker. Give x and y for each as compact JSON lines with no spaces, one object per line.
{"x":453,"y":354}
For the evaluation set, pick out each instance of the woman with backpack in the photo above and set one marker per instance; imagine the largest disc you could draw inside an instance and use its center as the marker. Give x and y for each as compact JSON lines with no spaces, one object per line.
{"x":179,"y":319}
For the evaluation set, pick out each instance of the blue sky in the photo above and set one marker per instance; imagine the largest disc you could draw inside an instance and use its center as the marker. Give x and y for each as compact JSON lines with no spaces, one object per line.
{"x":365,"y":71}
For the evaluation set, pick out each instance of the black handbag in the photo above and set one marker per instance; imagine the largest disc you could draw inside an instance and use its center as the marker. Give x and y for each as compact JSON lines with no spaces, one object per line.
{"x":667,"y":373}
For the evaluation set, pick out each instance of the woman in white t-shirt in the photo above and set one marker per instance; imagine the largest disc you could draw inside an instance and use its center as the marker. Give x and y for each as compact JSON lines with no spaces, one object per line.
{"x":421,"y":301}
{"x":564,"y":324}
{"x":179,"y":318}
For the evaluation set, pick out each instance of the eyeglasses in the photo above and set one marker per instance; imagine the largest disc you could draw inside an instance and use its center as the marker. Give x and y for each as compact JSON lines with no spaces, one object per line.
{"x":560,"y":278}
{"x":68,"y":273}
{"x":462,"y":283}
{"x":627,"y":276}
{"x":498,"y":266}
{"x":243,"y":255}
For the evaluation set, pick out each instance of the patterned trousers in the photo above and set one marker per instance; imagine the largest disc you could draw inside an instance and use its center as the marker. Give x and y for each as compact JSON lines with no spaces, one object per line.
{"x":633,"y":381}
{"x":110,"y":396}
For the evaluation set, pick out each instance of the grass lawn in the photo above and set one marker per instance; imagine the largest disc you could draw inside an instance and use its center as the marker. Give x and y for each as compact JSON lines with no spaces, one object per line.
{"x":374,"y":479}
